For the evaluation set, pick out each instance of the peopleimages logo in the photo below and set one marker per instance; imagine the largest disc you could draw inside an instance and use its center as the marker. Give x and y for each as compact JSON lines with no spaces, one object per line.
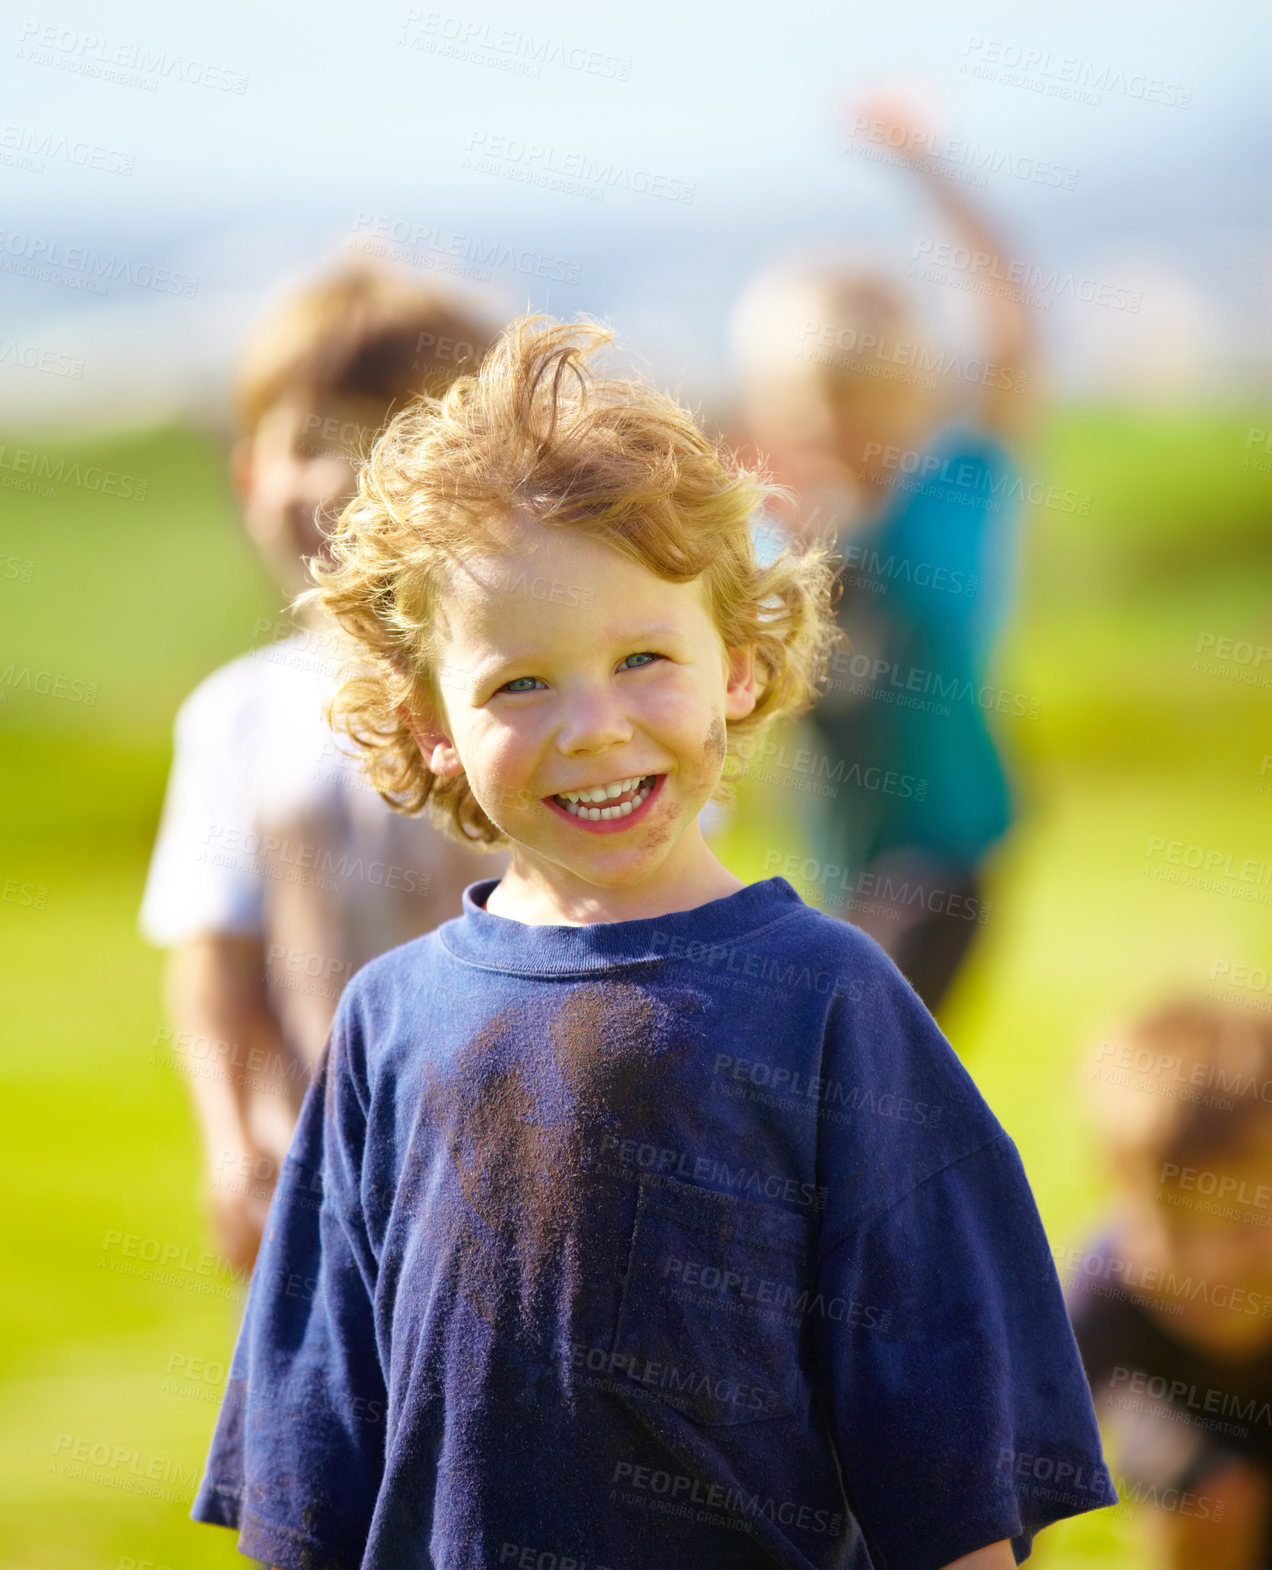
{"x":841,"y":345}
{"x":685,"y":1491}
{"x":971,"y":484}
{"x":1181,"y":1393}
{"x":32,"y":357}
{"x":505,"y":48}
{"x":46,"y":684}
{"x":1017,"y":278}
{"x":129,"y":64}
{"x":33,"y":255}
{"x":1065,"y":76}
{"x":47,"y":467}
{"x":23,"y":147}
{"x":425,"y":245}
{"x":1204,"y":859}
{"x":1232,"y":659}
{"x":955,"y":157}
{"x":785,"y":974}
{"x":575,"y":172}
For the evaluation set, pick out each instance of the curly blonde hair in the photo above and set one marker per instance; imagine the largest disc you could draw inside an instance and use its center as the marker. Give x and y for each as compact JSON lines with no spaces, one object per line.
{"x":539,"y":431}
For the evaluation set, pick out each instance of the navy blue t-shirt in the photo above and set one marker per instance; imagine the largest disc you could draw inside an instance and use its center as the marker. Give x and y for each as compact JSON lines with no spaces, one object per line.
{"x":685,"y":1241}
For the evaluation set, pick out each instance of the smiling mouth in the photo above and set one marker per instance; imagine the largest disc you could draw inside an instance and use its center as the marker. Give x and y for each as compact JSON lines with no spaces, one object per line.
{"x":593,"y":806}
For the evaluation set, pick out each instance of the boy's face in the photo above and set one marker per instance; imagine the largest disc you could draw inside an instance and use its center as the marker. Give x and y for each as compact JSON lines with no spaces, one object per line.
{"x":869,"y":415}
{"x":574,"y":668}
{"x":294,"y":466}
{"x":821,"y":435}
{"x":1217,"y":1242}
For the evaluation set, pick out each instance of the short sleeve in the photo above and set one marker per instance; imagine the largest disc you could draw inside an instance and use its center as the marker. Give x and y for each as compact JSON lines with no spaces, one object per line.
{"x":205,"y":871}
{"x":961,"y":1411}
{"x":298,"y":1452}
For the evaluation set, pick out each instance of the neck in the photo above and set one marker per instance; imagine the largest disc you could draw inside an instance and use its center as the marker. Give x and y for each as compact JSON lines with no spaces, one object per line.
{"x":545,"y":894}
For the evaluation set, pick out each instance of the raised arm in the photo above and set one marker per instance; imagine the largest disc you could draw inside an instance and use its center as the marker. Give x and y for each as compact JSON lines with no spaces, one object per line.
{"x":1009,"y":340}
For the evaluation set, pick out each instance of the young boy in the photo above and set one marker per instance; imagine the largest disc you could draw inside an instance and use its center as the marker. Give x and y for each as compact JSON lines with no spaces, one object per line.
{"x":1172,"y":1301}
{"x":913,"y":469}
{"x":637,"y":1217}
{"x":277,"y":871}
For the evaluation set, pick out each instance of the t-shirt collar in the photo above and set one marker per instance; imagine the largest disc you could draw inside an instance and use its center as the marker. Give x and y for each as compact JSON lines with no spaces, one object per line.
{"x":500,"y":943}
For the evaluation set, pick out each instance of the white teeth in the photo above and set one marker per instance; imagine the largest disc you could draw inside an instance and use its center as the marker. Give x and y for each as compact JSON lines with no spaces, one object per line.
{"x":574,"y":801}
{"x":601,"y":792}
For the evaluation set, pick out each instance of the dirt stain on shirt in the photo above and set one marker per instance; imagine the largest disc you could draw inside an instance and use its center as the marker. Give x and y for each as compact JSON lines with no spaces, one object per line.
{"x":525,"y":1125}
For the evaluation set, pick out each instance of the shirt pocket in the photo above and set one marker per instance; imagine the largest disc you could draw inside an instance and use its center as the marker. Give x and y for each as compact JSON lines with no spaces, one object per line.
{"x":713,"y":1303}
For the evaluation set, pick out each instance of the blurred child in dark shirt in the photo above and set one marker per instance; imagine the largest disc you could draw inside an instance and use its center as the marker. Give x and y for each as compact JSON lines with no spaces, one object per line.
{"x":1172,"y":1301}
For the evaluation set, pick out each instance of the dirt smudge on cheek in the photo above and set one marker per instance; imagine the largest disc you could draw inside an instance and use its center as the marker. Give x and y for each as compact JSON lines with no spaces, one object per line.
{"x":716,"y":743}
{"x":662,"y":834}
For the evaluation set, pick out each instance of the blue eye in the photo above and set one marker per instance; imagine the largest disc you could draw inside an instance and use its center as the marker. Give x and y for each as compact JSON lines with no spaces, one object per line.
{"x":520,"y":684}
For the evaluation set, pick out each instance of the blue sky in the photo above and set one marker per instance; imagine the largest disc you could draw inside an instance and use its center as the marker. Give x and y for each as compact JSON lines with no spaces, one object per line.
{"x":302,"y":126}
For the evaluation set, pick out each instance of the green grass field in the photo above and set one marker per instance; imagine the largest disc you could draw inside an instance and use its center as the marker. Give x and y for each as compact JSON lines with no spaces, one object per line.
{"x":1136,"y":738}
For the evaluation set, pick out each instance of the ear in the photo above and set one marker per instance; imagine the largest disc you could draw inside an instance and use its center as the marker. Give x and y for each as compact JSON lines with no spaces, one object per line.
{"x":260,"y":528}
{"x":438,"y":749}
{"x":241,"y":469}
{"x":740,"y":692}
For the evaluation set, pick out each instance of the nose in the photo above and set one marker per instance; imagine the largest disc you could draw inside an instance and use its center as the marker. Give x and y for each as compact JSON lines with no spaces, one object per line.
{"x":593,"y":722}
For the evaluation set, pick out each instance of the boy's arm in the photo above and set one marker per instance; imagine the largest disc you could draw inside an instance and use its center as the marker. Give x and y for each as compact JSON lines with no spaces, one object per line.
{"x":959,"y":1405}
{"x":964,"y":1355}
{"x":297,"y":1458}
{"x":215,"y":990}
{"x":1010,"y":342}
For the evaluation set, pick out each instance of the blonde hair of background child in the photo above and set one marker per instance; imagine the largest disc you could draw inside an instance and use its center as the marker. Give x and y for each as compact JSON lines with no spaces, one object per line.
{"x":1184,"y":1085}
{"x":362,"y":337}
